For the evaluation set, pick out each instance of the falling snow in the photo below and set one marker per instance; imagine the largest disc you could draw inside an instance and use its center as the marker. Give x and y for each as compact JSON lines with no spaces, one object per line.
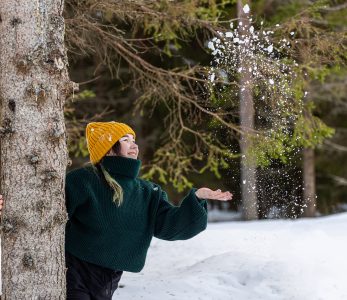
{"x":270,"y":49}
{"x":248,"y":48}
{"x":246,"y":9}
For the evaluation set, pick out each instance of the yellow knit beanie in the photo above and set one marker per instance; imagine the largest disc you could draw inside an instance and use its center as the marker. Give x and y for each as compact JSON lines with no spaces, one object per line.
{"x":101,"y":136}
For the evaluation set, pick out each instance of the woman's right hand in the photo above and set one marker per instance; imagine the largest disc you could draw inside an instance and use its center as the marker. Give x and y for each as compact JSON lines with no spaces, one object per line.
{"x":206,"y":193}
{"x":1,"y":202}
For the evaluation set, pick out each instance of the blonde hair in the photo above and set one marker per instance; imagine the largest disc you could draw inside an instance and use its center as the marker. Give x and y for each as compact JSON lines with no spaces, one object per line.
{"x":118,"y":190}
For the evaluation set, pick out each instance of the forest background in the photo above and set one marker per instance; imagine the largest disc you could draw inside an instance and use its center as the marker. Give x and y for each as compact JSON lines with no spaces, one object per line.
{"x":146,"y":63}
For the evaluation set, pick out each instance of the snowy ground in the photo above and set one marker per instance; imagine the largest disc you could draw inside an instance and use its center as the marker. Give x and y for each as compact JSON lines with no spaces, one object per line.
{"x":277,"y":259}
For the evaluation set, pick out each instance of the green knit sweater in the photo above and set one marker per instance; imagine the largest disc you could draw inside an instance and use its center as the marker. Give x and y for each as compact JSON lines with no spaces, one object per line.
{"x":118,"y":238}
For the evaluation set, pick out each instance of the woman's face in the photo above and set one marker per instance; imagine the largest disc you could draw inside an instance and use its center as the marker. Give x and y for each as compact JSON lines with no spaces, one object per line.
{"x":128,"y":147}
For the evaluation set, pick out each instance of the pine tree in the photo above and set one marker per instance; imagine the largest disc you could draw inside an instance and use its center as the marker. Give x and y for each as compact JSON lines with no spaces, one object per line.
{"x":34,"y":84}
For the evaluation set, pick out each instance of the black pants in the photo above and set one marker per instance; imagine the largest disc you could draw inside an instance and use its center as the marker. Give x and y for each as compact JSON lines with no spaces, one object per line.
{"x":86,"y":281}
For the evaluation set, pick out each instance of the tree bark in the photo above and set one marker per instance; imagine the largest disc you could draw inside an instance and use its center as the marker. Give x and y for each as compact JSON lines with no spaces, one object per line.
{"x":248,"y":168}
{"x":309,"y":191}
{"x":34,"y":84}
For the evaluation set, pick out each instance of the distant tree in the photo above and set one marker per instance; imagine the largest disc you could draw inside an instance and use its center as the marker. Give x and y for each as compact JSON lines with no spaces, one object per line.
{"x":247,"y":113}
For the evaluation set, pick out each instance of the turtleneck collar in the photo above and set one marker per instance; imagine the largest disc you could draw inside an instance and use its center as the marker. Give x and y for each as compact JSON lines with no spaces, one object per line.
{"x":120,"y":165}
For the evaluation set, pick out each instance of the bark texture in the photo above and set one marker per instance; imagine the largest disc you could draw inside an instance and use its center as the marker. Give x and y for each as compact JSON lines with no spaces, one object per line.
{"x":34,"y":83}
{"x":309,"y":192}
{"x":248,"y":168}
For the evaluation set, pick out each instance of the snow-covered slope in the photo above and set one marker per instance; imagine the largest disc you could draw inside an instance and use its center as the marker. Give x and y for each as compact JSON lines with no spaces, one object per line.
{"x":277,"y":259}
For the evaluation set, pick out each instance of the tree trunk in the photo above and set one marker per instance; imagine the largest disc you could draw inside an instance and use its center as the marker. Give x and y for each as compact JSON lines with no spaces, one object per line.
{"x":248,"y":168}
{"x":309,"y":191}
{"x":34,"y":83}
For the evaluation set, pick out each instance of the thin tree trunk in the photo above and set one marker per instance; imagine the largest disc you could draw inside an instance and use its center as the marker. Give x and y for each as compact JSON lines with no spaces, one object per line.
{"x":34,"y":84}
{"x":309,"y":191}
{"x":248,"y":168}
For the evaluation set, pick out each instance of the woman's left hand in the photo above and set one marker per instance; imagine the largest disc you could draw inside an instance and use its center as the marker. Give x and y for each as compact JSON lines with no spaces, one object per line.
{"x":206,"y":193}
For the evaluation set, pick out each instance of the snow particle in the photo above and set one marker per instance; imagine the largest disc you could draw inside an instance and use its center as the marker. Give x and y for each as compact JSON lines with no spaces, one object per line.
{"x":246,"y":9}
{"x":210,"y":45}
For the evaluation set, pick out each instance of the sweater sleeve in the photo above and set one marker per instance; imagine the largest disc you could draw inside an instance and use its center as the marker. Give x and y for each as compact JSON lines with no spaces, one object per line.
{"x":73,"y":194}
{"x":180,"y":222}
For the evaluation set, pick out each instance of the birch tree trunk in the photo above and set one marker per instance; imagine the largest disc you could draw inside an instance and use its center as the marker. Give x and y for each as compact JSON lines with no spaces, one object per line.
{"x":248,"y":169}
{"x":34,"y":83}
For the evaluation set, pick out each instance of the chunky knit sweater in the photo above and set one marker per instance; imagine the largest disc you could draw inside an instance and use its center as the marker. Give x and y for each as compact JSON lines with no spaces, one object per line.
{"x":118,"y":238}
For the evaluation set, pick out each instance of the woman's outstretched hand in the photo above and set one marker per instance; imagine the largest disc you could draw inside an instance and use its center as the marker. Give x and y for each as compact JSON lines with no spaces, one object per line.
{"x":206,"y":193}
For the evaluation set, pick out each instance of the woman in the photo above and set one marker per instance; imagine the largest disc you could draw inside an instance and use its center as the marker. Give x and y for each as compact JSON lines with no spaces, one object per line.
{"x":113,"y":214}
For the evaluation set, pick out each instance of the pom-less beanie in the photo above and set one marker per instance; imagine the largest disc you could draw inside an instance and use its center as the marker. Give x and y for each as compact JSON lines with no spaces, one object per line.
{"x":101,"y":136}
